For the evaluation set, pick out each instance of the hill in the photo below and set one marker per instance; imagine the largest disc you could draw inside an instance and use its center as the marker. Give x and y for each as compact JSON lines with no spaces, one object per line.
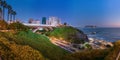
{"x":69,"y":34}
{"x":30,"y":46}
{"x":9,"y":50}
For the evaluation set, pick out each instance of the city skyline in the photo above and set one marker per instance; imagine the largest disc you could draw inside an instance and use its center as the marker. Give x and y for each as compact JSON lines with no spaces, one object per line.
{"x":74,"y":12}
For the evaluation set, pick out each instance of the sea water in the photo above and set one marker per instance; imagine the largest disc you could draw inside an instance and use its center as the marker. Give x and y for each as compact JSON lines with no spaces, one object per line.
{"x":107,"y":34}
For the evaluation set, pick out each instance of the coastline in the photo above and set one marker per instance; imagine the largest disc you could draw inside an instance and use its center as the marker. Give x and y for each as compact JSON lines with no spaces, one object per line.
{"x":109,"y":34}
{"x":99,"y":44}
{"x":94,"y":43}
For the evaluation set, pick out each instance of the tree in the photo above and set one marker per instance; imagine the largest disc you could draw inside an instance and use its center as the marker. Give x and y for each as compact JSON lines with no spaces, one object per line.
{"x":9,"y":11}
{"x":65,"y":23}
{"x":0,"y":14}
{"x":0,"y":10}
{"x":14,"y":14}
{"x":4,"y":5}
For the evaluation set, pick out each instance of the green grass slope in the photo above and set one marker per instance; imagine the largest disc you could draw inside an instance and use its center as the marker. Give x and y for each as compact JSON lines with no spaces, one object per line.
{"x":9,"y":50}
{"x":69,"y":34}
{"x":37,"y":42}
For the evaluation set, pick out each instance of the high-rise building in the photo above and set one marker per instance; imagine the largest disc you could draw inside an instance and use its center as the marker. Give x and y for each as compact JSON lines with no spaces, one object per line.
{"x":54,"y":21}
{"x":43,"y":20}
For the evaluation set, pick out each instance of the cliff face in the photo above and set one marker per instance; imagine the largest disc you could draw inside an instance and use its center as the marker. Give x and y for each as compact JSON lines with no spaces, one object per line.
{"x":69,"y":34}
{"x":82,"y":36}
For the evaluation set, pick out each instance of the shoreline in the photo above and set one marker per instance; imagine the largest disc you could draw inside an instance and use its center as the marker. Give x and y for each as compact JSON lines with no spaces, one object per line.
{"x":99,"y":44}
{"x":94,"y":43}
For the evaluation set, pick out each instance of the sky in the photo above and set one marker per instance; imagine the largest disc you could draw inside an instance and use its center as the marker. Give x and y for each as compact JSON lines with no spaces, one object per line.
{"x":102,"y":13}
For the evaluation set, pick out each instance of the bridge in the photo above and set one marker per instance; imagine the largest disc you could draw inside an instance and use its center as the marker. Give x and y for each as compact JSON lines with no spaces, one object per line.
{"x":36,"y":27}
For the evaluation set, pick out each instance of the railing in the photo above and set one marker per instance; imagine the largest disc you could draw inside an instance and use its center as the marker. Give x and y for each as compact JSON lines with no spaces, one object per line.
{"x":44,"y":25}
{"x":118,"y":56}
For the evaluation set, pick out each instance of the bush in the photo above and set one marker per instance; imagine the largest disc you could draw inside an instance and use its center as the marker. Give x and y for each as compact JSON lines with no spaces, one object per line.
{"x":114,"y":51}
{"x":3,"y":25}
{"x":9,"y":50}
{"x":88,"y":55}
{"x":16,"y":26}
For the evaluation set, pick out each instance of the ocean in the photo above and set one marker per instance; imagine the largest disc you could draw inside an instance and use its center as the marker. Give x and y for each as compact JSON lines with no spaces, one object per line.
{"x":107,"y":34}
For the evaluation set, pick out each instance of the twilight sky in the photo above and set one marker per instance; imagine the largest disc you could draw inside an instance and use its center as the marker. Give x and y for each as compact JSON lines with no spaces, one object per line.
{"x":103,"y":13}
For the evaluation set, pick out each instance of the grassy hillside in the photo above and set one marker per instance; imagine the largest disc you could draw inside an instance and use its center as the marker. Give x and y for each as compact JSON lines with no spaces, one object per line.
{"x":69,"y":34}
{"x":9,"y":50}
{"x":36,"y":42}
{"x":26,"y":45}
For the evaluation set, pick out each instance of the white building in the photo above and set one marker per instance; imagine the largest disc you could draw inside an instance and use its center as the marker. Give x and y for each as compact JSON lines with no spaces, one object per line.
{"x":53,"y":21}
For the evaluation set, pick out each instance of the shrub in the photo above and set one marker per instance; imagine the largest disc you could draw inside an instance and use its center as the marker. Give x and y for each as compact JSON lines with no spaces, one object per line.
{"x":3,"y":25}
{"x":9,"y":50}
{"x":114,"y":51}
{"x":88,"y":55}
{"x":16,"y":26}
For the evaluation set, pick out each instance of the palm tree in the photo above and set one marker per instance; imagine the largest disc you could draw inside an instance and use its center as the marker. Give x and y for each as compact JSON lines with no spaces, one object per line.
{"x":4,"y":5}
{"x":9,"y":11}
{"x":0,"y":10}
{"x":14,"y":14}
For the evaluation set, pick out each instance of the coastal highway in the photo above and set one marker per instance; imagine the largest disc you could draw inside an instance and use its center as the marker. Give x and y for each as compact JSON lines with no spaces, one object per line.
{"x":65,"y":45}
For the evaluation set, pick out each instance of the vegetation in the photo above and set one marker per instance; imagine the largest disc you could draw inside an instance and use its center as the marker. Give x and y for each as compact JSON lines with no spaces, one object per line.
{"x":17,"y":26}
{"x":42,"y":44}
{"x":107,"y":54}
{"x":114,"y":51}
{"x":69,"y":34}
{"x":88,"y":55}
{"x":3,"y":25}
{"x":24,"y":42}
{"x":4,"y":5}
{"x":26,"y":45}
{"x":9,"y":50}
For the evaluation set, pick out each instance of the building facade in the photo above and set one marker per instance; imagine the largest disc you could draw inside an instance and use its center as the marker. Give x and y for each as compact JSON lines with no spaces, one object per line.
{"x":55,"y":21}
{"x":43,"y":20}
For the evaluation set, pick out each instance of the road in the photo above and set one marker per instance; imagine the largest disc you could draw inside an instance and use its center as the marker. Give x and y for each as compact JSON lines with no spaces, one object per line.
{"x":65,"y":45}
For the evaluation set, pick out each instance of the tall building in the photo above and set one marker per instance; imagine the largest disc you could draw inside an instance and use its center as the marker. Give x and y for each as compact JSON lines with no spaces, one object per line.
{"x":43,"y":20}
{"x":54,"y":21}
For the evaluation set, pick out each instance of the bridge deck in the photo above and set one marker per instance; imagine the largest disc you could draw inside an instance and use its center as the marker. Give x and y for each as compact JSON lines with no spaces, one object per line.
{"x":38,"y":25}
